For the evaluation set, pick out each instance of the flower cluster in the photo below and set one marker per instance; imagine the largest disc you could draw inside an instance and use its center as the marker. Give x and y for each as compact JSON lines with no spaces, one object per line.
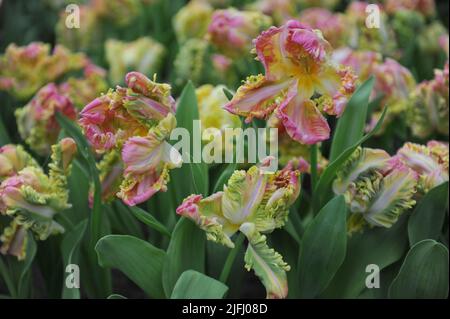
{"x":297,"y":62}
{"x":132,"y":125}
{"x":231,"y":31}
{"x":143,"y":55}
{"x":378,"y":188}
{"x":24,"y":70}
{"x":428,"y":108}
{"x":30,"y":197}
{"x":36,"y":121}
{"x":253,"y":202}
{"x":192,"y":20}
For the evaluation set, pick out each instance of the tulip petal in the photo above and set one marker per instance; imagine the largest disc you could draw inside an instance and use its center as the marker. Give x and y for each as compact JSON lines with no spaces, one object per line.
{"x":302,"y":119}
{"x":257,"y":97}
{"x":266,"y":262}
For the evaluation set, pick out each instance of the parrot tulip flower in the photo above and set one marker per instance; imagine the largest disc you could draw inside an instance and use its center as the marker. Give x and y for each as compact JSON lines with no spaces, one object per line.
{"x":297,"y":63}
{"x":37,"y":120}
{"x":32,"y":198}
{"x":252,"y":202}
{"x":430,"y":162}
{"x":377,"y":188}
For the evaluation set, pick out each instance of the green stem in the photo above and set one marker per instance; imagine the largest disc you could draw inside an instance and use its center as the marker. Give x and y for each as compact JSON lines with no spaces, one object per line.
{"x":230,"y":259}
{"x":313,"y":165}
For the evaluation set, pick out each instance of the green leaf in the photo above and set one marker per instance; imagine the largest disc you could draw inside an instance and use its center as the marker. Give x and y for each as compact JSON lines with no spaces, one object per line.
{"x":70,"y":248}
{"x":85,"y":150}
{"x":149,"y":220}
{"x":138,"y":259}
{"x":191,"y":178}
{"x":186,"y":251}
{"x":379,"y":246}
{"x":96,"y":218}
{"x":427,"y":219}
{"x":228,"y":94}
{"x":322,"y":190}
{"x":350,"y":127}
{"x":224,"y":177}
{"x":25,"y":268}
{"x":323,"y":248}
{"x":424,"y":273}
{"x":17,"y":274}
{"x":194,"y":285}
{"x":116,"y":296}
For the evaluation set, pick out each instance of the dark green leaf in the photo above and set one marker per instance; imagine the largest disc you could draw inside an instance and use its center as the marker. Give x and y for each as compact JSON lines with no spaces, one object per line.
{"x":149,"y":220}
{"x":379,"y":246}
{"x":428,"y":217}
{"x":191,"y":178}
{"x":194,"y":285}
{"x":139,"y":260}
{"x":323,"y":248}
{"x":228,"y":94}
{"x":424,"y":273}
{"x":350,"y":127}
{"x":70,"y":248}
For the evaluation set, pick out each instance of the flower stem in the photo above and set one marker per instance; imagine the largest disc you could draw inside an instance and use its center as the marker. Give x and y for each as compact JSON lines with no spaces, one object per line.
{"x":230,"y":259}
{"x":313,"y":165}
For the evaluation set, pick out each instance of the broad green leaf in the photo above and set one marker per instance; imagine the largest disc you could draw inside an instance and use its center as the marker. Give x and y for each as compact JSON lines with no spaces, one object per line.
{"x":138,"y":259}
{"x":194,"y":285}
{"x":70,"y":248}
{"x":350,"y":127}
{"x":186,"y":251}
{"x":427,"y":219}
{"x":149,"y":220}
{"x":191,"y":178}
{"x":322,"y":190}
{"x":323,"y":248}
{"x":424,"y":273}
{"x":379,"y":246}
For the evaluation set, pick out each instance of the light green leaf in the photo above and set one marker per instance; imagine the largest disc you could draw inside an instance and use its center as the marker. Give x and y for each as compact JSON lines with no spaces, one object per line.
{"x":194,"y":285}
{"x":138,"y":259}
{"x":323,"y":248}
{"x":186,"y":251}
{"x":424,"y":273}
